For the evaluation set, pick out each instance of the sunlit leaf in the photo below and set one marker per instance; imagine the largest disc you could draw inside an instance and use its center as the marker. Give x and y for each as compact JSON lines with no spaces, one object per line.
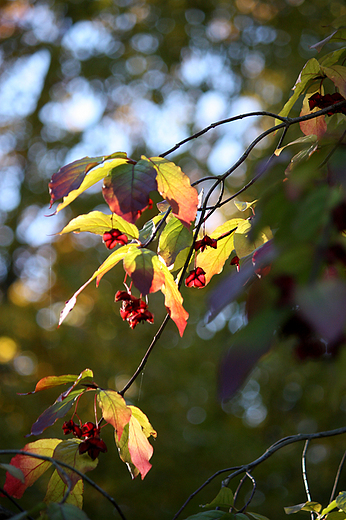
{"x":336,"y":515}
{"x":331,"y":57}
{"x":98,"y":223}
{"x":242,"y":205}
{"x":143,"y":420}
{"x":309,"y":72}
{"x":31,"y":467}
{"x":126,"y":188}
{"x":243,"y":245}
{"x":63,"y":511}
{"x":294,"y":509}
{"x":213,"y":260}
{"x":73,"y":179}
{"x":124,"y":452}
{"x":58,"y":410}
{"x":312,"y":506}
{"x":306,"y":140}
{"x":175,"y":187}
{"x":149,"y":228}
{"x":53,"y":381}
{"x":341,"y":501}
{"x":67,"y":451}
{"x":110,"y":262}
{"x":223,"y":499}
{"x":139,"y":447}
{"x":57,"y":488}
{"x":173,"y":239}
{"x":139,"y":265}
{"x":15,"y":472}
{"x":114,"y":410}
{"x":173,"y":298}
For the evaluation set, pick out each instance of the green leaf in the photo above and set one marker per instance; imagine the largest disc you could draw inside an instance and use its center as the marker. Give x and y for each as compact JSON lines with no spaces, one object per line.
{"x":294,"y":509}
{"x":243,"y":245}
{"x":63,"y":512}
{"x":68,"y":451}
{"x":212,"y":260}
{"x":310,"y":71}
{"x":306,"y":140}
{"x":336,"y":515}
{"x":174,"y":238}
{"x":341,"y":501}
{"x":138,"y":263}
{"x":336,"y":36}
{"x":312,"y":506}
{"x":332,"y":57}
{"x":149,"y":228}
{"x":240,"y":516}
{"x":57,"y":488}
{"x":223,"y":499}
{"x":242,"y":205}
{"x":212,"y":515}
{"x":15,"y":472}
{"x":148,"y":430}
{"x":175,"y":187}
{"x":88,"y":170}
{"x":114,"y":410}
{"x":53,"y":381}
{"x":98,"y":223}
{"x":127,"y":186}
{"x":257,"y":516}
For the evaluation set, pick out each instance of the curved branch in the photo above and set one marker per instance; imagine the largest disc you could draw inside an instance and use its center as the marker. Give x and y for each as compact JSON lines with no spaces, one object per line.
{"x":246,"y":468}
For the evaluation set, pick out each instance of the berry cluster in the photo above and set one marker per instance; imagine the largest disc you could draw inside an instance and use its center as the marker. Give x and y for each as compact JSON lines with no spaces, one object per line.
{"x":133,"y":310}
{"x":92,"y":443}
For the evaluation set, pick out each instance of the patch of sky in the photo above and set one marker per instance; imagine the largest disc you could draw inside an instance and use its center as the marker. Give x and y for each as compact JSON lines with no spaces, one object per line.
{"x":41,"y":20}
{"x":85,"y":39}
{"x":21,"y":86}
{"x":35,"y":229}
{"x":81,"y":108}
{"x":11,"y":178}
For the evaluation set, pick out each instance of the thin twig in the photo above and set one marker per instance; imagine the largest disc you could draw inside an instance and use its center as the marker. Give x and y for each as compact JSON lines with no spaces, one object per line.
{"x":305,"y":477}
{"x":268,"y":453}
{"x":146,"y":356}
{"x":337,"y":476}
{"x":252,"y":492}
{"x":236,"y":493}
{"x":14,"y":502}
{"x":71,"y":468}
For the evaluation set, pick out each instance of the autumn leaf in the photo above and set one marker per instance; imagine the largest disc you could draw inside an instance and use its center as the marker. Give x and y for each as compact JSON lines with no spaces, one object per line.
{"x":173,"y":298}
{"x":148,"y":430}
{"x":139,"y":447}
{"x":53,"y":381}
{"x":56,"y":490}
{"x":114,"y":410}
{"x":213,"y":260}
{"x":316,"y":126}
{"x":31,"y":467}
{"x":173,"y":239}
{"x":138,"y":264}
{"x":127,"y":186}
{"x":175,"y":187}
{"x":74,"y":178}
{"x":68,"y":451}
{"x":99,"y":223}
{"x":58,"y":410}
{"x":108,"y":264}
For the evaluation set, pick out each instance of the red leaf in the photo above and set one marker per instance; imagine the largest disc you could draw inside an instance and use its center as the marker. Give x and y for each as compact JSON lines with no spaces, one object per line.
{"x":126,"y":189}
{"x":139,"y":447}
{"x":31,"y":468}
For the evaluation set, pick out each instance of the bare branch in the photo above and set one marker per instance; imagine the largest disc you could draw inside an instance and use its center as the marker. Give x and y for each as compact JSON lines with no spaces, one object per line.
{"x":337,"y":476}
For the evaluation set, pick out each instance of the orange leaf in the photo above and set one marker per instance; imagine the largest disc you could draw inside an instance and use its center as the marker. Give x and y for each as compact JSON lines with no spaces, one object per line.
{"x":53,"y":381}
{"x":114,"y":410}
{"x":173,"y":298}
{"x":175,"y":187}
{"x":31,"y":467}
